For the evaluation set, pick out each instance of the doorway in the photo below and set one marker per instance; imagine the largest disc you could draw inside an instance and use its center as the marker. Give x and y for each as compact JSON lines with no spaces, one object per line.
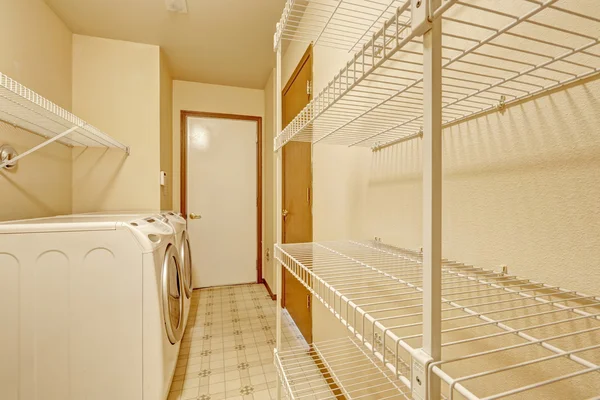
{"x":297,"y":193}
{"x":221,"y":196}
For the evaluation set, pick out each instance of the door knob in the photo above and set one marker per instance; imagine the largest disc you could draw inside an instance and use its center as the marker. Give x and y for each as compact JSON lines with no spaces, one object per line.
{"x":195,"y":216}
{"x":285,"y":213}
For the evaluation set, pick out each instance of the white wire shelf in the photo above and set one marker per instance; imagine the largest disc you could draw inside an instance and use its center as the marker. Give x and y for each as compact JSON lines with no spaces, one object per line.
{"x":336,"y":369}
{"x":25,"y":108}
{"x":494,"y":53}
{"x":502,"y":336}
{"x":340,"y":24}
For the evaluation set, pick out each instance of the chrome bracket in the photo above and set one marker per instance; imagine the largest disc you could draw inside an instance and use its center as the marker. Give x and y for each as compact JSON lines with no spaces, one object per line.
{"x":8,"y":154}
{"x":501,"y":106}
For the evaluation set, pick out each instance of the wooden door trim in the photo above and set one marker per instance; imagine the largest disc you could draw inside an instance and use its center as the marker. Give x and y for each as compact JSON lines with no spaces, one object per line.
{"x":183,"y":175}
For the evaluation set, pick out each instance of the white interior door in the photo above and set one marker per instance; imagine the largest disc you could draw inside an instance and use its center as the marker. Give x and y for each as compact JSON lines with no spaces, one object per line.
{"x":221,"y":188}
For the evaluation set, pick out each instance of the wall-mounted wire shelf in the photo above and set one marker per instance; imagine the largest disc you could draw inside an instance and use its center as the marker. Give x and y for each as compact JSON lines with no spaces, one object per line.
{"x":340,"y":24}
{"x":503,"y":336}
{"x":336,"y":369}
{"x":494,"y":53}
{"x":26,"y":109}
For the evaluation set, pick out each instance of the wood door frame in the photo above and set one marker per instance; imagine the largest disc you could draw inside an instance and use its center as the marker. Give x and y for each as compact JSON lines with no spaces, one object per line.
{"x":183,"y":175}
{"x":308,"y":54}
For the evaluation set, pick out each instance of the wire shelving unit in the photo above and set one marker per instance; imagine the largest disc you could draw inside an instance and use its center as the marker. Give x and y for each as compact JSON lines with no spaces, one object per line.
{"x":502,"y":335}
{"x":26,"y":109}
{"x":494,"y":53}
{"x":335,"y":369}
{"x":441,"y":328}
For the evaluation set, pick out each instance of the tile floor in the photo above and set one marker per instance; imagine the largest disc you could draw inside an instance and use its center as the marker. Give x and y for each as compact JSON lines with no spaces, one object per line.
{"x":227,"y":349}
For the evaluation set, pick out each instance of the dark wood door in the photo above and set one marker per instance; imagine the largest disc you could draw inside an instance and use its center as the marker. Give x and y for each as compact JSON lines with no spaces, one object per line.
{"x":297,"y":193}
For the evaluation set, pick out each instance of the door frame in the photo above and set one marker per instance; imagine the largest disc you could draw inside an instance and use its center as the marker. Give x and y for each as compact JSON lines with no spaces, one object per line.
{"x":185,"y":114}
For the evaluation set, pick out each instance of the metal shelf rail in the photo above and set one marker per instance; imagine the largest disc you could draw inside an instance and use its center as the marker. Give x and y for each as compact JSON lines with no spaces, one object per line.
{"x":26,"y":109}
{"x":502,"y":336}
{"x":494,"y":53}
{"x":336,"y":368}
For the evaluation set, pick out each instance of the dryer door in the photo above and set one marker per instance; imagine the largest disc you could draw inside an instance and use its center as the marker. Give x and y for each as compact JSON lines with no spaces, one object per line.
{"x":186,"y":259}
{"x":172,"y":296}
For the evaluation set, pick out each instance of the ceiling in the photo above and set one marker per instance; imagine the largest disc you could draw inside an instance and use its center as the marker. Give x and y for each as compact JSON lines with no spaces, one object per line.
{"x":225,"y":42}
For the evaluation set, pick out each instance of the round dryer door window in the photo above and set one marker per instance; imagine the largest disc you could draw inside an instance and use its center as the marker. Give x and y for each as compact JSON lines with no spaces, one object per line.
{"x":186,"y":259}
{"x":172,"y":298}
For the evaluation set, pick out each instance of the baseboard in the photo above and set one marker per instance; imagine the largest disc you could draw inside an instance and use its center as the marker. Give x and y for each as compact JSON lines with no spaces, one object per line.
{"x":273,"y":296}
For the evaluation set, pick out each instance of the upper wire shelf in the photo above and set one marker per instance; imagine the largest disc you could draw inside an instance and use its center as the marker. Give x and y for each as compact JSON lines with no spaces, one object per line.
{"x":340,"y":24}
{"x":336,"y":369}
{"x":25,"y":108}
{"x":494,"y":53}
{"x":503,"y":336}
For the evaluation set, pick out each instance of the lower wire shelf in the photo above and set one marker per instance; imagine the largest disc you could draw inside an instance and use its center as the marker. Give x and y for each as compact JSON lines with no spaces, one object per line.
{"x":503,"y":336}
{"x":337,"y":369}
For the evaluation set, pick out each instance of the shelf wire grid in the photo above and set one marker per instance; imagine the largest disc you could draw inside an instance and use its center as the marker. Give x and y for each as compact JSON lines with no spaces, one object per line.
{"x":503,"y":336}
{"x":340,"y":24}
{"x":25,"y":108}
{"x":336,"y":369}
{"x":494,"y":53}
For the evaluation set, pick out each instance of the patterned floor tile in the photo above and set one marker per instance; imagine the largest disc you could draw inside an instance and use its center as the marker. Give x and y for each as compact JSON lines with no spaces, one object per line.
{"x":227,"y":348}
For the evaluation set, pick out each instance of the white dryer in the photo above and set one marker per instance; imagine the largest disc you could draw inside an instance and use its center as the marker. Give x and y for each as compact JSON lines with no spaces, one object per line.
{"x":182,"y":242}
{"x":91,"y":308}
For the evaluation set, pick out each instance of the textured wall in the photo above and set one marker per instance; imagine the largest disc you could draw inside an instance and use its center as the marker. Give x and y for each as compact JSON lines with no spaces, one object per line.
{"x":520,"y":188}
{"x":36,"y":51}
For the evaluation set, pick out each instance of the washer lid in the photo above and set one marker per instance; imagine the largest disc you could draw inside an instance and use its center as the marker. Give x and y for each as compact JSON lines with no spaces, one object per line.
{"x":65,"y":223}
{"x":149,"y":231}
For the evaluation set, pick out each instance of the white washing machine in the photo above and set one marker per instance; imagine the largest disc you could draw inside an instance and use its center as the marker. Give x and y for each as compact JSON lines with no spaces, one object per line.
{"x":182,"y":242}
{"x":91,"y":308}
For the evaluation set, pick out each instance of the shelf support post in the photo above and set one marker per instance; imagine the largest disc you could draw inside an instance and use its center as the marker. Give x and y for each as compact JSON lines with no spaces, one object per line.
{"x":278,"y":205}
{"x":432,"y":195}
{"x":39,"y":146}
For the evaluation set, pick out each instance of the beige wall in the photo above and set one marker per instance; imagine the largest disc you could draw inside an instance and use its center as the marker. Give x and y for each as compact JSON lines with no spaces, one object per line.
{"x":116,"y":87}
{"x":520,"y":188}
{"x":36,"y":51}
{"x":166,"y":133}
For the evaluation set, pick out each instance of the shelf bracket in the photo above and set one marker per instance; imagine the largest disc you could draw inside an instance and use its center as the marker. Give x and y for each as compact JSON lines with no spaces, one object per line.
{"x":13,"y":160}
{"x":422,"y":16}
{"x":419,"y":372}
{"x":501,"y":106}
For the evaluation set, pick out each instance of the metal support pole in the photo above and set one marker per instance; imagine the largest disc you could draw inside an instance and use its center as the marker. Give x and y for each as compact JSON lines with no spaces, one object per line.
{"x":39,"y":146}
{"x":432,"y":194}
{"x":278,"y":205}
